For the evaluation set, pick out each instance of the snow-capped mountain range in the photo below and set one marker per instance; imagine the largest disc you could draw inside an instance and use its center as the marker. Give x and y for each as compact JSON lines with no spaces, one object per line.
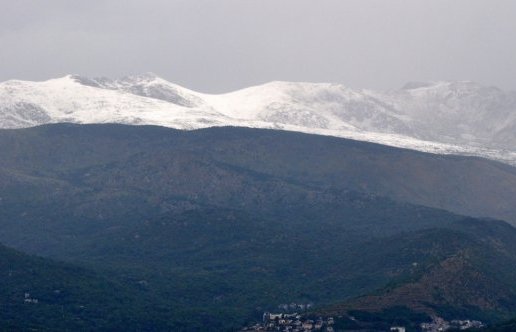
{"x":439,"y":117}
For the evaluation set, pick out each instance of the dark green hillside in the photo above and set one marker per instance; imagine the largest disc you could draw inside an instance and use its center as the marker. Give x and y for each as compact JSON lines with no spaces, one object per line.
{"x":471,"y":275}
{"x":304,"y":255}
{"x":40,"y":294}
{"x":60,"y":182}
{"x":224,"y":165}
{"x":217,"y":269}
{"x":207,"y":229}
{"x":227,"y":259}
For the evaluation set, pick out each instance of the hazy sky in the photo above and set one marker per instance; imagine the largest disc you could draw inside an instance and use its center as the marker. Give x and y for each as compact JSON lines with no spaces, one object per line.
{"x":221,"y":45}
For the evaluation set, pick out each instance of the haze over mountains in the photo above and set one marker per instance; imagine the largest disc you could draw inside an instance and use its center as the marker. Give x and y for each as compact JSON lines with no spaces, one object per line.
{"x":441,"y":117}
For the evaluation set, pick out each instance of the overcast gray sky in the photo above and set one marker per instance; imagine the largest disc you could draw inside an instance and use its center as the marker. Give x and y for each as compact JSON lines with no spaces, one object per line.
{"x":221,"y":45}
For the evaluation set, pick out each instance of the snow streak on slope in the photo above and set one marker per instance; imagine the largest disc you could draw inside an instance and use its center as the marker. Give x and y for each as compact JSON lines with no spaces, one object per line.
{"x":440,"y":117}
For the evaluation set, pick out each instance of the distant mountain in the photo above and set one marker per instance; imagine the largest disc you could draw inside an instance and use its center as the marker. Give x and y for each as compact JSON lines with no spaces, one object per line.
{"x":86,"y":179}
{"x":440,"y":117}
{"x":96,"y":167}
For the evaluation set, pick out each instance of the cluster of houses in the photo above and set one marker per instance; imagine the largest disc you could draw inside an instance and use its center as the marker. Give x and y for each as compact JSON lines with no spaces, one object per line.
{"x":438,"y":324}
{"x":466,"y":324}
{"x":28,"y":299}
{"x":292,"y":323}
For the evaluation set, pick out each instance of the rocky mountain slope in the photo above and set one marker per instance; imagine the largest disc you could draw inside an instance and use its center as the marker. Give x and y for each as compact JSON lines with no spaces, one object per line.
{"x":440,"y":117}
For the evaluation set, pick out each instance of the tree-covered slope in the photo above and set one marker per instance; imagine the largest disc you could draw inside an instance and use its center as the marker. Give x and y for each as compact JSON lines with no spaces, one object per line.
{"x":470,"y":274}
{"x":101,"y":173}
{"x":215,"y":226}
{"x":39,"y":294}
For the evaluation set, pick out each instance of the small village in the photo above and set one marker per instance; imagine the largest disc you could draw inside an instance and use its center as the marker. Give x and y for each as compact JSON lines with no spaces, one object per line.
{"x":295,"y":322}
{"x":292,"y":323}
{"x":438,"y":324}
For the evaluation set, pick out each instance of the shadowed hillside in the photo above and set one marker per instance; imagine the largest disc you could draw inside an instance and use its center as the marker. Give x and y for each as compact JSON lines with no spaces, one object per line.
{"x":226,"y":223}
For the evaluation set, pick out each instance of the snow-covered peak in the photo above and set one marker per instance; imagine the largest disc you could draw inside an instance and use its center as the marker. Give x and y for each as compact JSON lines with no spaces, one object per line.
{"x":446,"y":88}
{"x":461,"y":112}
{"x":146,"y":85}
{"x":438,"y":117}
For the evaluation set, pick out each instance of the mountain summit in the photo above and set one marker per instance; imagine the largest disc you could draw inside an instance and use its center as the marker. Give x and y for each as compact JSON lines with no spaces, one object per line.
{"x":460,"y":117}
